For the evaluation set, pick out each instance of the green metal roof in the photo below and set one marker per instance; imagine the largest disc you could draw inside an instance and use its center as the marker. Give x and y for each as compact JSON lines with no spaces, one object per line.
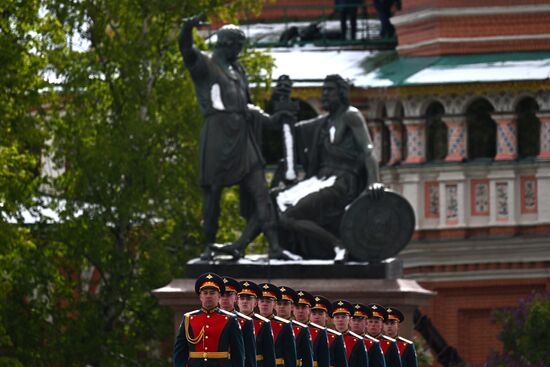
{"x":427,"y":70}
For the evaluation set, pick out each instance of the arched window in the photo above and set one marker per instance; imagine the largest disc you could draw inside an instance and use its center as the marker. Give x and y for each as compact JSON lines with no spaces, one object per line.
{"x":482,"y":130}
{"x":528,"y":128}
{"x":436,"y":133}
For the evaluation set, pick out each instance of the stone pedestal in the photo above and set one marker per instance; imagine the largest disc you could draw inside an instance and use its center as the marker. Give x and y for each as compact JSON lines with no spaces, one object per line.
{"x":305,"y":269}
{"x":405,"y":294}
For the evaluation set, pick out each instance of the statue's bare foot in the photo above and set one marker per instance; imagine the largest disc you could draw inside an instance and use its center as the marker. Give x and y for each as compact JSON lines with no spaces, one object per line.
{"x":341,"y":255}
{"x":207,"y":254}
{"x":232,"y":249}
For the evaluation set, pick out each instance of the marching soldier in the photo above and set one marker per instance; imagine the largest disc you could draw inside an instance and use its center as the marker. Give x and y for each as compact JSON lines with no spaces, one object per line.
{"x":355,"y":347}
{"x":337,"y":348}
{"x":283,"y":335}
{"x":375,"y":321}
{"x":391,"y":329}
{"x":357,"y":325}
{"x":304,"y":350}
{"x":227,"y":303}
{"x":319,"y":339}
{"x":247,"y":301}
{"x":209,"y":336}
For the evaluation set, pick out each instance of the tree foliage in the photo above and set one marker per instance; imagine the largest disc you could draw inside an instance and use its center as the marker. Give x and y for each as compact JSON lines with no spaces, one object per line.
{"x":98,"y":87}
{"x":525,"y":334}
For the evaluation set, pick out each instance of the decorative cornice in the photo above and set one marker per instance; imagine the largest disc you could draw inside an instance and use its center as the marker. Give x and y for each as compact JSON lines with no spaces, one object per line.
{"x":480,"y":275}
{"x":433,"y":41}
{"x":460,"y":88}
{"x":472,"y":11}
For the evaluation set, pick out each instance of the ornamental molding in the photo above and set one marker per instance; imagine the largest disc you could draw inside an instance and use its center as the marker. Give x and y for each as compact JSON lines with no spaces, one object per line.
{"x":471,"y":11}
{"x":438,"y":40}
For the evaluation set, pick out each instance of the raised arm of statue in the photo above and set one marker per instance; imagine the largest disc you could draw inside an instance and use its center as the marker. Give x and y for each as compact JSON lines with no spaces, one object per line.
{"x":185,"y":39}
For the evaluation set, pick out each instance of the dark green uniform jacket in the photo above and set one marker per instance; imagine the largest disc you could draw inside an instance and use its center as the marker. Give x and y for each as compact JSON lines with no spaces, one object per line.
{"x":247,"y":328}
{"x":319,"y":341}
{"x":285,"y":344}
{"x":407,"y":352}
{"x":304,"y":348}
{"x":374,"y":352}
{"x":337,"y":349}
{"x":390,"y":350}
{"x":265,"y":346}
{"x":355,"y":347}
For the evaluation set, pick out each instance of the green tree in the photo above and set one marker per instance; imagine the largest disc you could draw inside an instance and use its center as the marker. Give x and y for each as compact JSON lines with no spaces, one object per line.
{"x":21,"y":136}
{"x":122,"y":124}
{"x":525,"y":334}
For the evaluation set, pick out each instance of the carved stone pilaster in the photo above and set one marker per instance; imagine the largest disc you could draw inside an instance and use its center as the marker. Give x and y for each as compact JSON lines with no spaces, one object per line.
{"x":416,"y":140}
{"x":396,"y":140}
{"x":456,"y":138}
{"x":544,"y":136}
{"x":507,"y":136}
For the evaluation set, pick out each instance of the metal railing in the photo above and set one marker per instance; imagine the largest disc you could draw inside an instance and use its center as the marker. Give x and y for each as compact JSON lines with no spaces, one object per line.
{"x":319,"y":25}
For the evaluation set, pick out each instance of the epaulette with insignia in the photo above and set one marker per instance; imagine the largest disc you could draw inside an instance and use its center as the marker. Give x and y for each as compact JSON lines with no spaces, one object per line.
{"x":317,"y":326}
{"x":243,"y":316}
{"x":388,"y":338}
{"x":260,"y":317}
{"x":227,"y":313}
{"x":405,"y":340}
{"x":367,"y":336}
{"x":332,"y":331}
{"x":299,"y":323}
{"x":190,"y":313}
{"x":281,"y":319}
{"x":355,"y":335}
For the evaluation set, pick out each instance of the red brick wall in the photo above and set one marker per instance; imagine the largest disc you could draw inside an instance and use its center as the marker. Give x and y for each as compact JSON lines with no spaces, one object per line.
{"x":415,"y":5}
{"x":461,"y":311}
{"x":468,"y":26}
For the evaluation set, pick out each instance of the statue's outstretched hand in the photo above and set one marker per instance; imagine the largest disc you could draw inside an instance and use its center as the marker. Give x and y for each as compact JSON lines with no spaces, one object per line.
{"x":376,"y":190}
{"x":194,"y":21}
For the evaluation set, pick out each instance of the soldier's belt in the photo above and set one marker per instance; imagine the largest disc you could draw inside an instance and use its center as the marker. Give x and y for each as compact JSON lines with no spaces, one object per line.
{"x":213,"y":355}
{"x":280,"y":361}
{"x":259,"y":357}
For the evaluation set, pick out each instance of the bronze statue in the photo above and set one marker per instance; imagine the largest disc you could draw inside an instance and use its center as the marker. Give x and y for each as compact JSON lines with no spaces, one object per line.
{"x":339,"y":167}
{"x":229,"y":150}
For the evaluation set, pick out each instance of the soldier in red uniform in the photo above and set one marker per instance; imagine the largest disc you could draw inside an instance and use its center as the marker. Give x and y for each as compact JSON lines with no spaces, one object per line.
{"x":209,"y":336}
{"x":227,"y":303}
{"x":283,"y":335}
{"x":358,"y":325}
{"x":375,"y":323}
{"x":355,"y":347}
{"x":391,"y":329}
{"x":319,"y":339}
{"x":247,"y":301}
{"x":320,"y":312}
{"x":304,"y":349}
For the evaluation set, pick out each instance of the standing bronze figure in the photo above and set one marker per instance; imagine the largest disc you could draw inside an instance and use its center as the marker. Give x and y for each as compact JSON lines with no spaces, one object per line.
{"x":229,"y":151}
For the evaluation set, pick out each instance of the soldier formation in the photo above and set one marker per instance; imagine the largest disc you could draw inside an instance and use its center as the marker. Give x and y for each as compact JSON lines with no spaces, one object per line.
{"x":289,"y":329}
